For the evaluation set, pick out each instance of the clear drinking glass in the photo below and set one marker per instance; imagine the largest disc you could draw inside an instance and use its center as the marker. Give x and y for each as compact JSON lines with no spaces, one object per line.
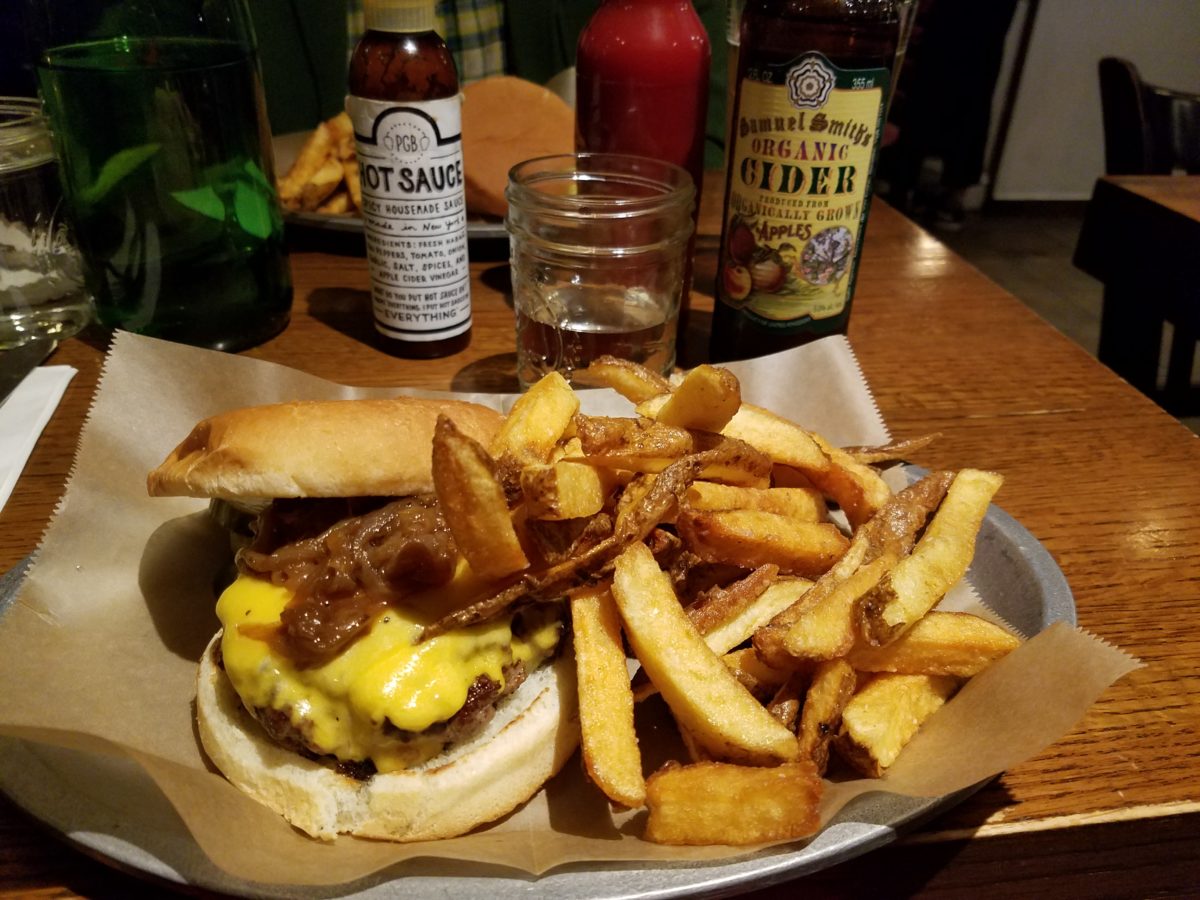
{"x":160,"y":125}
{"x":41,"y":282}
{"x":598,"y":245}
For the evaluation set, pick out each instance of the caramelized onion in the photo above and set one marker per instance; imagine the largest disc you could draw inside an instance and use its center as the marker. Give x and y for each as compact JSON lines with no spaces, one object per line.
{"x":342,"y":565}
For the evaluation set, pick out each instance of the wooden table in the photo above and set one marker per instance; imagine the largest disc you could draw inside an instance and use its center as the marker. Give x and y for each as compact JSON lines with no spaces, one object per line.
{"x":1141,"y":238}
{"x":1103,"y":477}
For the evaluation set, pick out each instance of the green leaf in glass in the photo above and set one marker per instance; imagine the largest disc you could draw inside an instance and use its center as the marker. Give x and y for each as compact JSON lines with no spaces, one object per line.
{"x":115,"y":168}
{"x":252,"y":209}
{"x":257,"y":175}
{"x":203,"y":200}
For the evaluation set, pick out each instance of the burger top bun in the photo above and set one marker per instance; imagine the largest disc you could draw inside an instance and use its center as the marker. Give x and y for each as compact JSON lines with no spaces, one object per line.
{"x":507,"y":120}
{"x":316,"y":448}
{"x":535,"y":730}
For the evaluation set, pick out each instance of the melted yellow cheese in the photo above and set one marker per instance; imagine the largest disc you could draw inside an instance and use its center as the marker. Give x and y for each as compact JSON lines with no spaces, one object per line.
{"x":384,"y":676}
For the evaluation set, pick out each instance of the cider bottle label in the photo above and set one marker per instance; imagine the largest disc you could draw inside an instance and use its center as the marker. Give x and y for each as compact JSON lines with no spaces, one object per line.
{"x":803,"y":141}
{"x":414,"y":215}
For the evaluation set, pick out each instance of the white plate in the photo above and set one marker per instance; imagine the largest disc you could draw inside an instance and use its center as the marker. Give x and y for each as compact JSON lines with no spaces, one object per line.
{"x":110,"y":808}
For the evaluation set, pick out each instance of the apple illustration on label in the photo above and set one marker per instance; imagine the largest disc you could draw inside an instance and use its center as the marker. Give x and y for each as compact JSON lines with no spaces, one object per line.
{"x":737,"y":282}
{"x":767,"y":271}
{"x":741,"y":245}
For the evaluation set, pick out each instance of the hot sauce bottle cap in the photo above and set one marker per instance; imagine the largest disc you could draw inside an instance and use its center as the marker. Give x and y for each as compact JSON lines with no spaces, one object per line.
{"x":400,"y":15}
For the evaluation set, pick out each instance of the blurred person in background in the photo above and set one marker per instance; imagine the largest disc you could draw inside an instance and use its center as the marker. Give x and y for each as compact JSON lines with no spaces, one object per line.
{"x":943,"y":107}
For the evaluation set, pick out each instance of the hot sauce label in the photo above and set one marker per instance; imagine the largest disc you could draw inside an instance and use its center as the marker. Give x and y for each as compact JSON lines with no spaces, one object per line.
{"x":803,"y":148}
{"x":414,"y":215}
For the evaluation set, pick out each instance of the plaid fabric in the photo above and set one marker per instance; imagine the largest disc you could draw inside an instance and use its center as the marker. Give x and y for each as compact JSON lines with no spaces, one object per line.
{"x":472,"y":29}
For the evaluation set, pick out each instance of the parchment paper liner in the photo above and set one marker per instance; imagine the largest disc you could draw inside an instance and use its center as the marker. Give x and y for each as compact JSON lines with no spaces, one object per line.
{"x":98,"y":652}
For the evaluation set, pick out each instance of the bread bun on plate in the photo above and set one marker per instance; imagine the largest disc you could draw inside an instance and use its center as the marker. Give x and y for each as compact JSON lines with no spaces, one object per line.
{"x":318,"y":697}
{"x":316,"y":448}
{"x":507,"y":120}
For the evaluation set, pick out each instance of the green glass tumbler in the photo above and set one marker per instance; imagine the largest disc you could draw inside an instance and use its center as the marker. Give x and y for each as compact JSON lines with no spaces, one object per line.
{"x":160,"y":125}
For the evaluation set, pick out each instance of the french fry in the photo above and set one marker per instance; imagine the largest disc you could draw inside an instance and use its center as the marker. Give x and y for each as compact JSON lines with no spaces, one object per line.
{"x":473,"y":503}
{"x":725,"y":628}
{"x":939,"y":643}
{"x":700,"y":690}
{"x":337,"y":204}
{"x":642,"y":446}
{"x":788,"y":477}
{"x":785,"y":704}
{"x":707,"y":398}
{"x":755,"y":675}
{"x":341,"y":134}
{"x":632,"y":381}
{"x":896,"y":451}
{"x":752,"y":538}
{"x":718,"y":803}
{"x":721,"y":604}
{"x":833,"y":600}
{"x":784,"y":442}
{"x":828,"y":628}
{"x":609,"y":743}
{"x":884,"y":714}
{"x":722,"y":636}
{"x":324,"y":177}
{"x":939,"y":559}
{"x":803,"y":504}
{"x":770,"y":640}
{"x":737,"y":464}
{"x":315,"y":150}
{"x":564,"y":490}
{"x":829,"y":690}
{"x":318,"y":187}
{"x":633,"y":497}
{"x":353,"y":181}
{"x":536,"y":422}
{"x":635,"y":444}
{"x":532,"y":429}
{"x":856,"y":488}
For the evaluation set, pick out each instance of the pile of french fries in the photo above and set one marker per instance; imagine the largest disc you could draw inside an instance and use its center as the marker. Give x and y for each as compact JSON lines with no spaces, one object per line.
{"x":699,"y":534}
{"x":324,"y":176}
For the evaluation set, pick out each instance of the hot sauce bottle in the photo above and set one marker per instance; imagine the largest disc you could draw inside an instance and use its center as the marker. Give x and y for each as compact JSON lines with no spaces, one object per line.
{"x":813,"y":79}
{"x":406,"y":109}
{"x":641,"y":87}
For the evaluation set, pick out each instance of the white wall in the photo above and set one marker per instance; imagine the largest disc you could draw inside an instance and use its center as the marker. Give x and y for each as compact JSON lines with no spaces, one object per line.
{"x":1055,"y":145}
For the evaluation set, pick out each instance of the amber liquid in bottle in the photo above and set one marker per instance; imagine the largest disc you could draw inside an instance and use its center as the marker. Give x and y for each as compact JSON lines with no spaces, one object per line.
{"x":407,"y":67}
{"x":799,"y":169}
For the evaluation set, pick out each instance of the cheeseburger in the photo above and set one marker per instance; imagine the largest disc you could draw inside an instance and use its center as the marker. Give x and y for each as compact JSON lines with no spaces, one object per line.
{"x":318,"y":697}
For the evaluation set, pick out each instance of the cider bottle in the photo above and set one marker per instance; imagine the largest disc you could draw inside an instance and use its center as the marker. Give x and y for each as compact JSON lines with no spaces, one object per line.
{"x":812,"y":85}
{"x":406,"y":109}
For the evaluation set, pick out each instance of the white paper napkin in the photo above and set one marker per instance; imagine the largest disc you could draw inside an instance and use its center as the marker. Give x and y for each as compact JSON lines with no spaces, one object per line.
{"x":23,"y":415}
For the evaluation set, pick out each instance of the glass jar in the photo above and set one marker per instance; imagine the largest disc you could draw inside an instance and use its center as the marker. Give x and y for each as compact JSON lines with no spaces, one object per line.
{"x":598,"y":247}
{"x":41,"y":279}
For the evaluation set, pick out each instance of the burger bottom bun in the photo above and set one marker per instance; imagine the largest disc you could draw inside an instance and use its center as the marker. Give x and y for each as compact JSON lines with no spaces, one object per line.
{"x":534,"y":731}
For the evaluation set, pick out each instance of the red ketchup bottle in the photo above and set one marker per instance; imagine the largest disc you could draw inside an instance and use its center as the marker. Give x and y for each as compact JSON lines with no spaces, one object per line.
{"x":641,"y":86}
